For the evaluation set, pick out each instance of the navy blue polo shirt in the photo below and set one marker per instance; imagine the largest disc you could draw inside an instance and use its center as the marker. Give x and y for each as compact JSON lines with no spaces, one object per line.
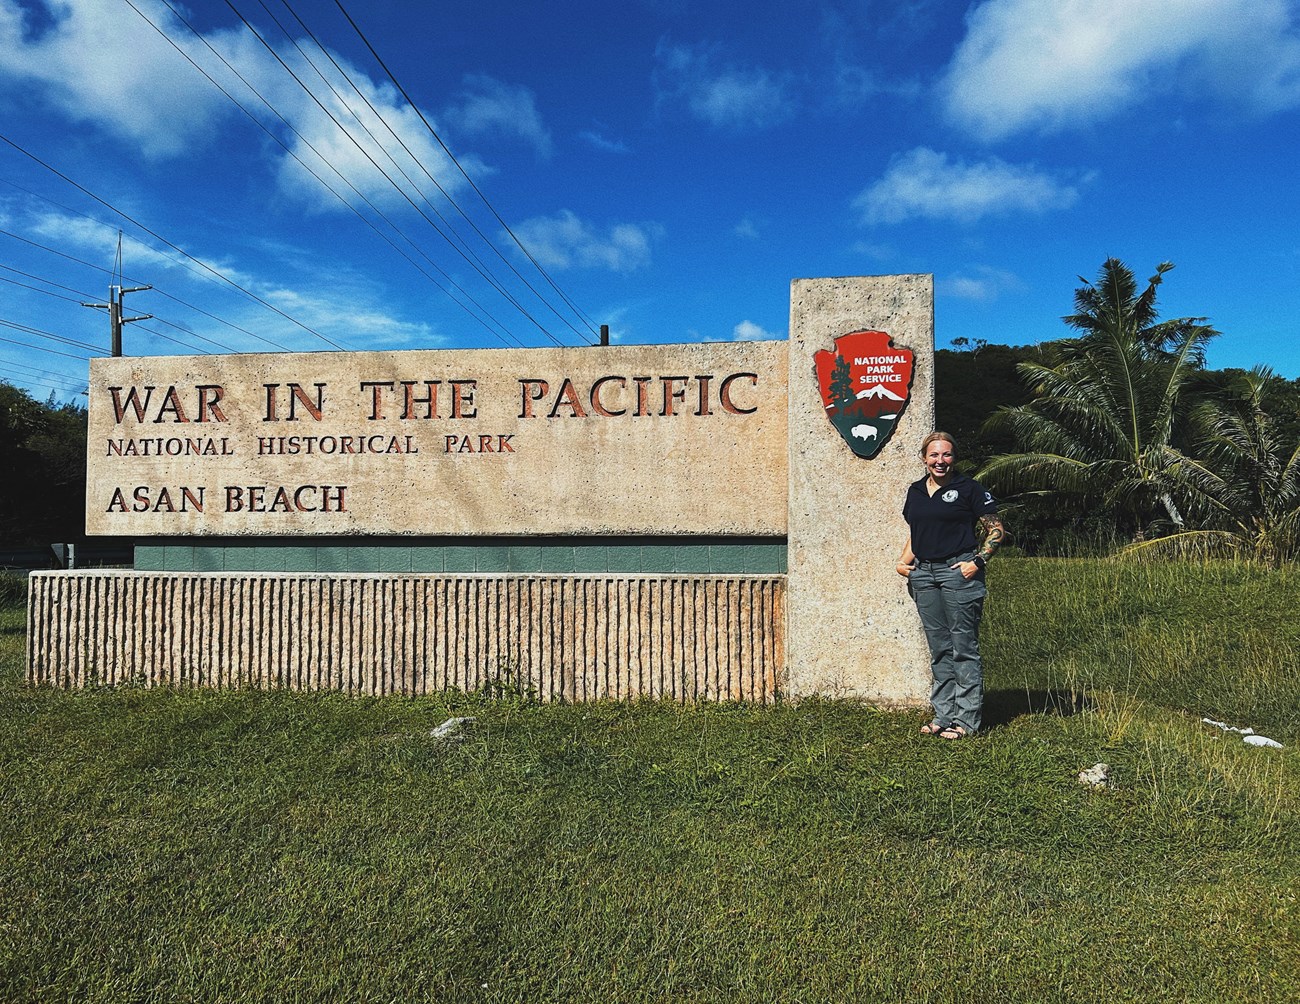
{"x":943,"y":524}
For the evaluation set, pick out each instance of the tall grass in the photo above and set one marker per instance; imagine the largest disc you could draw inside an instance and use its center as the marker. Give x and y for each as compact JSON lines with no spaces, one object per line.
{"x":252,"y":846}
{"x":13,"y":588}
{"x":1216,"y":639}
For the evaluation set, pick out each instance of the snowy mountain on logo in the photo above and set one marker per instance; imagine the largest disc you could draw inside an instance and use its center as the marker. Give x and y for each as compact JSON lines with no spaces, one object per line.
{"x":878,"y":391}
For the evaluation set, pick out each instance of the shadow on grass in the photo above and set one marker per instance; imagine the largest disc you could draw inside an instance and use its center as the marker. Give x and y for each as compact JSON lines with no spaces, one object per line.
{"x":1003,"y":706}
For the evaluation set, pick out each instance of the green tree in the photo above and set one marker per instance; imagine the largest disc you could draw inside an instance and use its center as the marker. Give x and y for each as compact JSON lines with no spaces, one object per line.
{"x":970,"y":383}
{"x":841,"y":383}
{"x":1112,"y":308}
{"x":1107,"y":406}
{"x":1242,"y":483}
{"x":42,"y":469}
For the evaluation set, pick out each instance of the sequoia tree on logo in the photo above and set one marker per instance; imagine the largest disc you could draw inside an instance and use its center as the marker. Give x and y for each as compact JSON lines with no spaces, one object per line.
{"x":865,"y":384}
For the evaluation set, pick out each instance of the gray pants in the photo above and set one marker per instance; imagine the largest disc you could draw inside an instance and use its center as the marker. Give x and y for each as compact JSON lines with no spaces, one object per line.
{"x":950,"y":609}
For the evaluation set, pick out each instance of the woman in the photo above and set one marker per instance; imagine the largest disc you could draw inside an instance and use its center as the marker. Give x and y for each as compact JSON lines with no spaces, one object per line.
{"x":944,"y":568}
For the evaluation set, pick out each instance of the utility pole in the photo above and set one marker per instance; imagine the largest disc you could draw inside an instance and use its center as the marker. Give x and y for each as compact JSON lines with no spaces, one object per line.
{"x":115,"y":318}
{"x":114,"y":304}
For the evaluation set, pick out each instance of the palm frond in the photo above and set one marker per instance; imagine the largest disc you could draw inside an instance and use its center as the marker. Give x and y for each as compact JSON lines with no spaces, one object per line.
{"x":1196,"y":544}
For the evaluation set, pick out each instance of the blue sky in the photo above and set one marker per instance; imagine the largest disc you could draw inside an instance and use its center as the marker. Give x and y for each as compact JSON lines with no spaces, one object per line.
{"x":670,"y":165}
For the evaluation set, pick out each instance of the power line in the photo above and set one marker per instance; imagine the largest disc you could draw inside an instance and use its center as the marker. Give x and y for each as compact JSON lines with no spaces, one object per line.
{"x":40,"y":278}
{"x":51,"y":282}
{"x":484,"y":274}
{"x":434,"y":133}
{"x":321,"y":180}
{"x":179,"y":341}
{"x":28,"y":330}
{"x":210,"y":271}
{"x":176,"y":299}
{"x":116,"y":295}
{"x":37,"y":289}
{"x":41,"y":348}
{"x":180,"y":263}
{"x":397,"y":136}
{"x":36,"y":374}
{"x":38,"y":371}
{"x":158,"y":237}
{"x":459,"y":245}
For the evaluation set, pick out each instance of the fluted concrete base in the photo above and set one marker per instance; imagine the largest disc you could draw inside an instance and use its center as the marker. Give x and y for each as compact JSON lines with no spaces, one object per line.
{"x":560,"y":637}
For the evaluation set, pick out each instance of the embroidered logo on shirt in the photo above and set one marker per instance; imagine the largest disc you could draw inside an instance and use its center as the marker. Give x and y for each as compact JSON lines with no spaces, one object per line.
{"x":950,"y":495}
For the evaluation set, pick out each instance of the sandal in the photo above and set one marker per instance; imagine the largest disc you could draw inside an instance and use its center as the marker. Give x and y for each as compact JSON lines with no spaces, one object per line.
{"x":951,"y":732}
{"x":932,"y":728}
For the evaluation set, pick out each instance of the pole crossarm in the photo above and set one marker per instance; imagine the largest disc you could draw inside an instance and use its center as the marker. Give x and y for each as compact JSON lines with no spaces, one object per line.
{"x":115,"y":318}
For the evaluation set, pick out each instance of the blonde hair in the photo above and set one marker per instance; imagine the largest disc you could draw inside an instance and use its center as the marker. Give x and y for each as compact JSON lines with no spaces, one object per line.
{"x":934,"y":437}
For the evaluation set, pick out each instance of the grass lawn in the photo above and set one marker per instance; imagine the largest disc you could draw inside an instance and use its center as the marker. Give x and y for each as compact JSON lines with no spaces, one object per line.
{"x":183,"y":846}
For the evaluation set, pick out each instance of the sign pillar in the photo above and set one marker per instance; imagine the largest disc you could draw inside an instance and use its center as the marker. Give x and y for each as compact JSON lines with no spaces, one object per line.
{"x":851,"y":628}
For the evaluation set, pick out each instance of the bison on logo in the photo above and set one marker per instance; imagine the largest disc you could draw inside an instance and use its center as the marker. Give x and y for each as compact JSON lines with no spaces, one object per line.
{"x":865,"y":383}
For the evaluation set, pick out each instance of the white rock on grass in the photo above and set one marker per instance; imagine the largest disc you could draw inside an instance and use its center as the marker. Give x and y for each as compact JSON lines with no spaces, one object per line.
{"x":1095,"y":776}
{"x":1228,"y":728}
{"x":452,"y":728}
{"x":1248,"y":735}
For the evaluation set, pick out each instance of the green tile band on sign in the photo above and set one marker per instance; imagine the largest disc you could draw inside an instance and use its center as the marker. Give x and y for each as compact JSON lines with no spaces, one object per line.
{"x":524,"y":559}
{"x":590,"y":558}
{"x":394,"y":559}
{"x":558,"y":559}
{"x":331,"y":559}
{"x":691,"y":558}
{"x":624,"y":558}
{"x":427,"y":559}
{"x":492,"y":559}
{"x":654,"y":556}
{"x":459,"y":559}
{"x":150,"y":558}
{"x":658,"y":558}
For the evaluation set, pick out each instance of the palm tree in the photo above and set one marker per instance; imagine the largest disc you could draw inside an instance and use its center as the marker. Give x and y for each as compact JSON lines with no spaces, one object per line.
{"x":1243,"y":482}
{"x":1107,"y":405}
{"x":1111,"y":305}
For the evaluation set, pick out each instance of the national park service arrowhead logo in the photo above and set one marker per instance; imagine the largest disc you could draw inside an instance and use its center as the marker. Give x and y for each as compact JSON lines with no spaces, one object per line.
{"x":865,"y":384}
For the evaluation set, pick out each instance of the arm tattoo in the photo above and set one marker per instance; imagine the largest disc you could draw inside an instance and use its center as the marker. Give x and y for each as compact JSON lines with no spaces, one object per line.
{"x":994,"y":534}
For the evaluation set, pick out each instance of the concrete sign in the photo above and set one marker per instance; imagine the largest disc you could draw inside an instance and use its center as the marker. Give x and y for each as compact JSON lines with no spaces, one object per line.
{"x":680,"y":439}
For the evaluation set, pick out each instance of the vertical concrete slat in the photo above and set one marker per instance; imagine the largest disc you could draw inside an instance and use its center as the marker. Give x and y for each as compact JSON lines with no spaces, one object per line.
{"x":454,"y":631}
{"x":37,"y":620}
{"x":617,"y":670}
{"x":441,"y":679}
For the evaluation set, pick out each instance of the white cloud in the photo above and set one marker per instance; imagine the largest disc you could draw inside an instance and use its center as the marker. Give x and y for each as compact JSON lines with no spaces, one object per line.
{"x":107,"y":68}
{"x":877,"y":252}
{"x":602,"y":142}
{"x":727,"y":97}
{"x":565,"y":241}
{"x":371,"y":136}
{"x":748,"y":331}
{"x":356,"y":324}
{"x":851,"y":75}
{"x":922,"y":183}
{"x":488,"y":106}
{"x":746,"y":228}
{"x":338,"y":302}
{"x":1026,"y":64}
{"x":365,"y":153}
{"x":981,"y":284}
{"x":98,"y":242}
{"x":103,"y":64}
